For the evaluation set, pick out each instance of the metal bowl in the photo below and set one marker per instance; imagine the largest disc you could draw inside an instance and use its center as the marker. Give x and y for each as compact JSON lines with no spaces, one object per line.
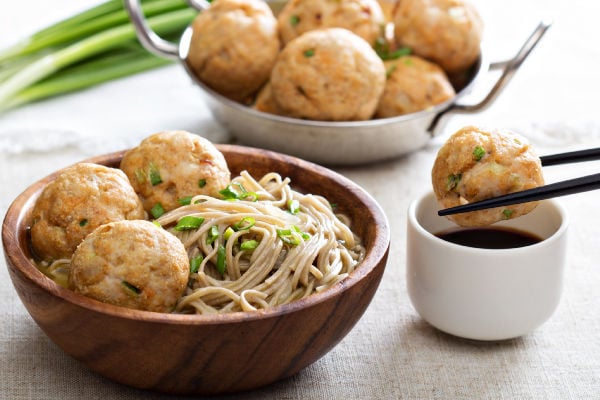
{"x":335,"y":143}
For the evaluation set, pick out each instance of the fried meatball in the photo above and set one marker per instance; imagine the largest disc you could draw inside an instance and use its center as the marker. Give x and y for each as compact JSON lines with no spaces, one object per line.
{"x":133,"y":264}
{"x":264,"y":101}
{"x":475,"y":164}
{"x":329,"y":75}
{"x":413,"y":84}
{"x":363,"y":17}
{"x":169,"y":166}
{"x":234,"y":46}
{"x":80,"y":199}
{"x":447,"y":32}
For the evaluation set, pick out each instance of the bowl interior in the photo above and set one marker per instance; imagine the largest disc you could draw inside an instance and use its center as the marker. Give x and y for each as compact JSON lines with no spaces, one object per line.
{"x":368,"y":222}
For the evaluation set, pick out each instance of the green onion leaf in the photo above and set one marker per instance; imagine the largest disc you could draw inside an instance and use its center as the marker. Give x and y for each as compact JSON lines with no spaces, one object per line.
{"x":309,"y":53}
{"x":249,"y":245}
{"x":213,"y":234}
{"x":244,"y":224}
{"x":185,"y":201}
{"x":507,"y":213}
{"x":228,"y":232}
{"x":292,"y":236}
{"x":221,"y":259}
{"x":304,"y":235}
{"x":293,"y":206}
{"x":294,"y":20}
{"x":154,"y":174}
{"x":189,"y":222}
{"x":452,"y":181}
{"x":131,"y":289}
{"x":157,"y":224}
{"x":201,"y":183}
{"x":231,"y":193}
{"x":157,"y":210}
{"x":83,"y":222}
{"x":478,"y":153}
{"x":195,"y":263}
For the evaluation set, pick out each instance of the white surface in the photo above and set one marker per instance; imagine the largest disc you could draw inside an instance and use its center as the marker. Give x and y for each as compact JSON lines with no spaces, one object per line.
{"x":392,"y":352}
{"x":485,"y":294}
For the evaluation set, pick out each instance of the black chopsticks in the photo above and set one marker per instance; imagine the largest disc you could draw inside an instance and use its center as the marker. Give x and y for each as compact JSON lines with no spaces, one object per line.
{"x":571,"y":186}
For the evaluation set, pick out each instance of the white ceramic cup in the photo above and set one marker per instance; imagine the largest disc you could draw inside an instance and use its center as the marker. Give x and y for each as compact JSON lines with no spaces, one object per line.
{"x":485,"y":294}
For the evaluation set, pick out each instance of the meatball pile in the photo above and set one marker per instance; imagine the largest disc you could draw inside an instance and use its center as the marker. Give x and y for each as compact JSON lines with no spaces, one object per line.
{"x":323,"y":59}
{"x":97,"y":218}
{"x":476,"y":164}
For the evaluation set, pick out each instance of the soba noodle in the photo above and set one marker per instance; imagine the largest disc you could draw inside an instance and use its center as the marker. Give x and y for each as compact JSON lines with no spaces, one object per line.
{"x":298,"y":251}
{"x":266,"y":246}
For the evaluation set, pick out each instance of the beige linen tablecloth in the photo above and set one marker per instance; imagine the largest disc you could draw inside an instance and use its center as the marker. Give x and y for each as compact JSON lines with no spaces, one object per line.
{"x":391,"y":353}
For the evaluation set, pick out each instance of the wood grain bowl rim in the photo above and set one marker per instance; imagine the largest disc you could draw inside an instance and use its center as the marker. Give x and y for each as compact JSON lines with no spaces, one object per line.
{"x":14,"y":234}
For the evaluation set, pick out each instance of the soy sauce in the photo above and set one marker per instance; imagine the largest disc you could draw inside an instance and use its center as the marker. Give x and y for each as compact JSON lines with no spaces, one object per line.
{"x":490,"y":238}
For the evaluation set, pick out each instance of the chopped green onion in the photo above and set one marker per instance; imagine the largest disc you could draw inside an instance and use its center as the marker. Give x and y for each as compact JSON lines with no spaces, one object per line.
{"x":229,"y":193}
{"x":189,"y":222}
{"x":293,"y":206}
{"x":309,"y":53}
{"x":221,"y":259}
{"x":213,"y":234}
{"x":228,"y":232}
{"x":157,"y":210}
{"x":195,"y":263}
{"x":83,"y":222}
{"x":140,"y":176}
{"x":244,"y":224}
{"x":157,"y":224}
{"x":154,"y":174}
{"x":452,"y":182}
{"x":390,"y":71}
{"x":304,"y":235}
{"x":185,"y":201}
{"x":292,"y":236}
{"x":131,"y":288}
{"x":201,"y":183}
{"x":478,"y":153}
{"x":507,"y":213}
{"x":294,"y":20}
{"x":249,"y":245}
{"x":382,"y":48}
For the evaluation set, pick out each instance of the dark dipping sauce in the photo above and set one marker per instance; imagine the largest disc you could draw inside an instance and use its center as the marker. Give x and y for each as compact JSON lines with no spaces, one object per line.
{"x":490,"y":238}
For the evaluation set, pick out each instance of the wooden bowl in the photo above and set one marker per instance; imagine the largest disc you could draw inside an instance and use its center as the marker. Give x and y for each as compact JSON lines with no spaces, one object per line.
{"x":199,"y":354}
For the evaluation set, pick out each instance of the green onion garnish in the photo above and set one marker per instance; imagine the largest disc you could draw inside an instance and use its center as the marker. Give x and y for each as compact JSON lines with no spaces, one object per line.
{"x":452,"y":181}
{"x":83,"y":222}
{"x":249,"y":245}
{"x":140,"y":176}
{"x":195,"y":263}
{"x":478,"y":153}
{"x":189,"y":222}
{"x":157,"y":210}
{"x":221,"y":259}
{"x":244,"y":224}
{"x":201,"y":183}
{"x":230,"y":193}
{"x":228,"y":232}
{"x":213,"y":234}
{"x":293,"y":206}
{"x":304,"y":235}
{"x":309,"y":53}
{"x":507,"y":213}
{"x":154,"y":174}
{"x":157,"y":224}
{"x":185,"y":201}
{"x":294,"y":20}
{"x":131,"y":288}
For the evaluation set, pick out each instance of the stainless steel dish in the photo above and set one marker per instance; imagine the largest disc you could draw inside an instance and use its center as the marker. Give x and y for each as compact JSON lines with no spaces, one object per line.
{"x":335,"y":143}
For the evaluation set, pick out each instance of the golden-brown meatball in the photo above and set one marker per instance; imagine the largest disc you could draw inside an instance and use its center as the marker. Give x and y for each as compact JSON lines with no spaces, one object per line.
{"x":170,"y":166}
{"x":447,"y":32}
{"x":329,"y":75}
{"x":264,"y":101}
{"x":363,"y":17}
{"x":234,"y":46}
{"x":475,"y":164}
{"x":133,"y":264}
{"x":413,"y":84}
{"x":81,"y":198}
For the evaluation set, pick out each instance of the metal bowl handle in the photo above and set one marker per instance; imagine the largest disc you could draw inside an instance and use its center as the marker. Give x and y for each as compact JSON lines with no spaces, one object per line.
{"x":509,"y":68}
{"x":147,"y":37}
